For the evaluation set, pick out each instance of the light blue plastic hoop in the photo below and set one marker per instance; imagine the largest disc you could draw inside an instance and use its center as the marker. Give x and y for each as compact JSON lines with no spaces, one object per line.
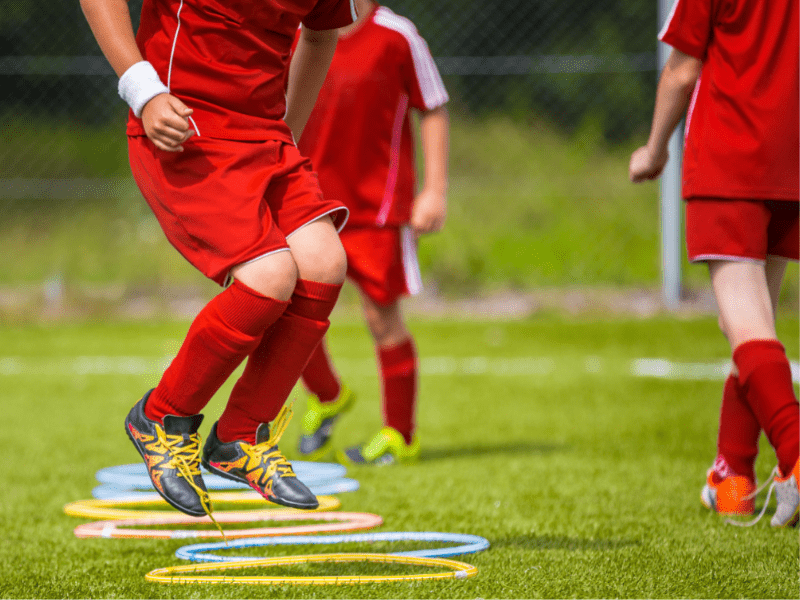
{"x":134,"y":476}
{"x":115,"y":492}
{"x":469,"y":544}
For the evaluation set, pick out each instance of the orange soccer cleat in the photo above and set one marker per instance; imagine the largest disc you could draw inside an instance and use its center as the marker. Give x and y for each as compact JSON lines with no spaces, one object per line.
{"x":732,"y":495}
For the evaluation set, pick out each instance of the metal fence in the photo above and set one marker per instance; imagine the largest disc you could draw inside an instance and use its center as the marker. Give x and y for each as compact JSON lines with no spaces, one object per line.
{"x":566,"y":62}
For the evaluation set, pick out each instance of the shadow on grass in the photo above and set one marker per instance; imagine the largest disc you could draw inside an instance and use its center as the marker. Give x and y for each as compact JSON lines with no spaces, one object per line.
{"x":430,"y":454}
{"x":558,"y":542}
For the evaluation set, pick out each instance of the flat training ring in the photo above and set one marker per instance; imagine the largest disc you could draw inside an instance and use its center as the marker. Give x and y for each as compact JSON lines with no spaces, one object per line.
{"x":134,"y":476}
{"x":460,"y":570}
{"x":469,"y":544}
{"x":115,"y":509}
{"x":333,"y":521}
{"x":108,"y":491}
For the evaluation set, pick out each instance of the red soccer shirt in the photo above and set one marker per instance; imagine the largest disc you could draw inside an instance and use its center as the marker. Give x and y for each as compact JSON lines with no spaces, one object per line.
{"x":227,"y":59}
{"x":742,"y":127}
{"x":359,"y":134}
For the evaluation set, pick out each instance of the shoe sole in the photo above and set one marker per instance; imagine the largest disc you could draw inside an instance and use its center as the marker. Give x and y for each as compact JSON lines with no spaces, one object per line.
{"x":275,"y":500}
{"x":141,"y":452}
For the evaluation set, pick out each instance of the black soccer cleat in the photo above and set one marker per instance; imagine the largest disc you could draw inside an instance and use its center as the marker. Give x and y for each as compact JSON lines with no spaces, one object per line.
{"x":171,"y":453}
{"x":262,"y":466}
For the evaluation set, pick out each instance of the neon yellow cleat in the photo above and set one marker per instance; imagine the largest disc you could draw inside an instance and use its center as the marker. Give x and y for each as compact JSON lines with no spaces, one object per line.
{"x":318,"y":420}
{"x":387,"y":447}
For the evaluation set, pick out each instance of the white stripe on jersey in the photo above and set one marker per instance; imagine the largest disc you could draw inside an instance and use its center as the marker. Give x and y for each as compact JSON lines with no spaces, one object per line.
{"x":174,"y":42}
{"x":430,"y":81}
{"x":663,"y":31}
{"x":353,"y":11}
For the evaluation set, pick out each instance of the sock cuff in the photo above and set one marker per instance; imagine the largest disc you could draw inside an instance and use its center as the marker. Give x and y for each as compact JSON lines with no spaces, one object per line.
{"x":752,"y":354}
{"x":314,"y":300}
{"x":316,"y":290}
{"x":244,"y":309}
{"x":398,"y":360}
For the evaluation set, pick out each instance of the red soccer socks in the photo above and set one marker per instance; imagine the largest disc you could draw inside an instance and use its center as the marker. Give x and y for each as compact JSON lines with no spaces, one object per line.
{"x":737,"y":441}
{"x":276,"y":364}
{"x":766,"y":378}
{"x":221,"y":336}
{"x":398,"y":366}
{"x":319,"y":376}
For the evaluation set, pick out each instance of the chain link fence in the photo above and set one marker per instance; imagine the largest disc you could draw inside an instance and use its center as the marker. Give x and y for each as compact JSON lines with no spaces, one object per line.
{"x":566,"y":62}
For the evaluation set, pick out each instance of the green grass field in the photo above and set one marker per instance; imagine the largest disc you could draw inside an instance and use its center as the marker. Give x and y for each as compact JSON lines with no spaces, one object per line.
{"x":536,"y":435}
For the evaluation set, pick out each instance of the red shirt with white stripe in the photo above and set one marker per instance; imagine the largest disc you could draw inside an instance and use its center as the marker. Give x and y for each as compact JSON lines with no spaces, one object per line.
{"x":359,"y":136}
{"x":742,"y":127}
{"x":227,"y":59}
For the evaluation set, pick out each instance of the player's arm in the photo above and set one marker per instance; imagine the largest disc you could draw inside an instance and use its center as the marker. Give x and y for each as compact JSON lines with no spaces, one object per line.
{"x":675,"y":88}
{"x":430,"y":206}
{"x":165,"y":118}
{"x":307,"y":71}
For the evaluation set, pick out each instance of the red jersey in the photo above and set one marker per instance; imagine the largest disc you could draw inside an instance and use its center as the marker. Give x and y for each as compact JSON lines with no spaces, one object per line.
{"x":742,"y":127}
{"x":227,"y":59}
{"x":359,"y":135}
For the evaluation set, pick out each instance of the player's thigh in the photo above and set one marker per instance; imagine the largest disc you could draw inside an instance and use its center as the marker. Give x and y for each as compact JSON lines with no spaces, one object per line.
{"x":743,"y":300}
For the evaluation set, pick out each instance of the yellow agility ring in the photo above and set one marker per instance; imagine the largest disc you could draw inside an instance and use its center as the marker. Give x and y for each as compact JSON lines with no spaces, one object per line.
{"x":325,"y":522}
{"x":460,"y":570}
{"x":115,"y":509}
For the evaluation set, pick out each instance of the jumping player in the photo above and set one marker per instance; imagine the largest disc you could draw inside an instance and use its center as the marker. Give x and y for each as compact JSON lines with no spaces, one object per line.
{"x":211,"y":143}
{"x":734,"y":65}
{"x":359,"y":139}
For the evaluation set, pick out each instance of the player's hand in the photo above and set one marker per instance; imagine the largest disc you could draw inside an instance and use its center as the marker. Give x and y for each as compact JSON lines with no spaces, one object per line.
{"x":646,"y":165}
{"x":166,"y":122}
{"x":428,"y":213}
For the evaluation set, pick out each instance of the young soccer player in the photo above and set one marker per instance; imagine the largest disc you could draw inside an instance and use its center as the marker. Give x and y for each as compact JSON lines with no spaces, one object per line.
{"x":359,"y":139}
{"x":211,"y":143}
{"x":734,"y":65}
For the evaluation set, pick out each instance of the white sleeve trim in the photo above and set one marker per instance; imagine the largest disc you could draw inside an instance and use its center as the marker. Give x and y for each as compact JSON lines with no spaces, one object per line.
{"x":430,"y":82}
{"x":666,"y":25}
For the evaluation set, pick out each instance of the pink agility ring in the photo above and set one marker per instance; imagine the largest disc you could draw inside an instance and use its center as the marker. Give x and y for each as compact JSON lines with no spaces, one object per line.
{"x":129,"y":528}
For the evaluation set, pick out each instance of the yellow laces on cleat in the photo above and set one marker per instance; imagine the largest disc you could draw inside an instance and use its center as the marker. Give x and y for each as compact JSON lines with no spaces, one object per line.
{"x":269,"y":448}
{"x":186,"y":461}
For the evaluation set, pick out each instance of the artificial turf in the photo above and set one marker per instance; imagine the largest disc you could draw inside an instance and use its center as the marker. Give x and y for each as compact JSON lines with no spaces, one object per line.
{"x":584,"y":478}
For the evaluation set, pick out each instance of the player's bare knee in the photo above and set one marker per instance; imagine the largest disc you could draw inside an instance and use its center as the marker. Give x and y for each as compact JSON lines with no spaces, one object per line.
{"x":274,"y":275}
{"x":327,"y":264}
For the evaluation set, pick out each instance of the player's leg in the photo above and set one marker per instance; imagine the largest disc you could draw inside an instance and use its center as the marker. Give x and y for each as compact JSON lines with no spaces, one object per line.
{"x":398,"y":370}
{"x":737,"y":442}
{"x":185,"y":198}
{"x":746,"y":304}
{"x":254,"y":418}
{"x":387,"y":273}
{"x":328,"y":399}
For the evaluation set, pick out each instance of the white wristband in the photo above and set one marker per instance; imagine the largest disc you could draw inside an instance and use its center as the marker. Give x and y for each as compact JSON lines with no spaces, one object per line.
{"x":140,"y":84}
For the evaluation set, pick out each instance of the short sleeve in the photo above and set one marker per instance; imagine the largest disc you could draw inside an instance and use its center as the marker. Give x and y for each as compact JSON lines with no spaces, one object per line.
{"x":331,"y":14}
{"x":689,"y":26}
{"x":421,"y":76}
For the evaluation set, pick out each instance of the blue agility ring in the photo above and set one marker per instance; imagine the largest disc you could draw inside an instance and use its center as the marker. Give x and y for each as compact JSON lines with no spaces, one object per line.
{"x":469,"y":544}
{"x":134,"y":476}
{"x":115,"y":492}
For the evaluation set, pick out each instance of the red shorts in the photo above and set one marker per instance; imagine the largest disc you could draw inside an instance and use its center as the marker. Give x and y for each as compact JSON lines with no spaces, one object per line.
{"x":382,"y":262}
{"x":222,"y":203}
{"x":719,"y":229}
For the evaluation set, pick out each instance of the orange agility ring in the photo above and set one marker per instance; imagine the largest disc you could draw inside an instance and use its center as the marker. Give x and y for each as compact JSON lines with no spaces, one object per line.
{"x":131,"y":528}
